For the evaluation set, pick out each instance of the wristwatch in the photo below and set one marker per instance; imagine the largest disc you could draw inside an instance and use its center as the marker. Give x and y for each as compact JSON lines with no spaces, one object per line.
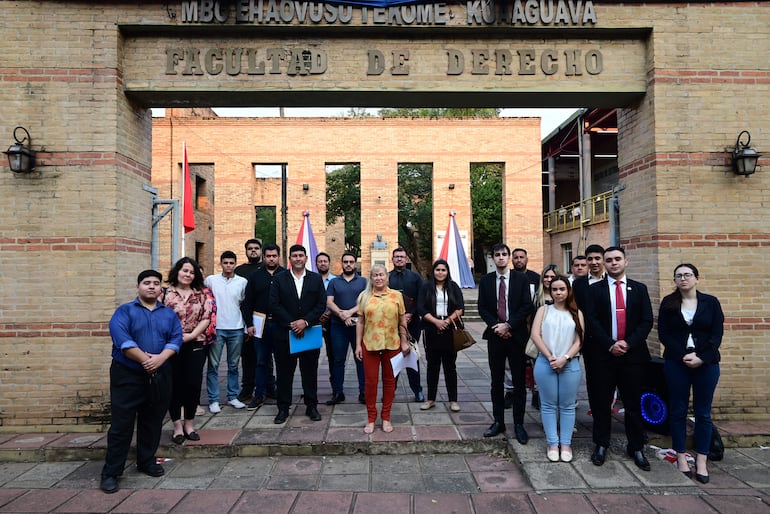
{"x":566,"y":356}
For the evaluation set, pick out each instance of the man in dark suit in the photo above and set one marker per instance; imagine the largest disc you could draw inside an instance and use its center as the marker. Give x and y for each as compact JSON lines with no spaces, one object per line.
{"x":618,"y":314}
{"x":505,"y":304}
{"x":297,"y":301}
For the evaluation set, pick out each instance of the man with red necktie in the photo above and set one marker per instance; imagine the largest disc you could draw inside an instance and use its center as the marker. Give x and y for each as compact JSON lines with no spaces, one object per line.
{"x":619,"y":318}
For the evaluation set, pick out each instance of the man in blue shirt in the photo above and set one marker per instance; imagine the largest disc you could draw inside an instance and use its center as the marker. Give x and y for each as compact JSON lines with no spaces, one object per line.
{"x":145,"y":334}
{"x":342,"y":301}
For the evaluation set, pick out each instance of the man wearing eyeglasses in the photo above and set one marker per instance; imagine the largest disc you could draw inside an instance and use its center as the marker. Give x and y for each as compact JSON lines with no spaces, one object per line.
{"x":409,"y":283}
{"x":618,"y":315}
{"x":505,"y":304}
{"x":341,"y":300}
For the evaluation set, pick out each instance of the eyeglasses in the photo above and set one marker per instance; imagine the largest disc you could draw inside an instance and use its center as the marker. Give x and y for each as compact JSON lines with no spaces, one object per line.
{"x":685,"y":276}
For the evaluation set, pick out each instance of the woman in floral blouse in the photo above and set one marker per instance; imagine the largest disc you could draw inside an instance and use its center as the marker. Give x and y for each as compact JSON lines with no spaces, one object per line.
{"x":380,"y":334}
{"x":186,"y":296}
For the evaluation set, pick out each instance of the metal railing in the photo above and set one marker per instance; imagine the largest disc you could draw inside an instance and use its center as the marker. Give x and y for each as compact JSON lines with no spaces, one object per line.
{"x":569,"y":217}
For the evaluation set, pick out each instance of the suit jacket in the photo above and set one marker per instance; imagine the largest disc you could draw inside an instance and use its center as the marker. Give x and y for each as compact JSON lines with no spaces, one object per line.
{"x":707,"y":328}
{"x":520,"y":305}
{"x":286,"y":306}
{"x":599,"y":316}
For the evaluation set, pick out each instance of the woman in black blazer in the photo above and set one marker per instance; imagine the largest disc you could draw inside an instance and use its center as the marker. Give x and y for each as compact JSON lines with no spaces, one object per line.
{"x":440,"y":303}
{"x":690,"y":327}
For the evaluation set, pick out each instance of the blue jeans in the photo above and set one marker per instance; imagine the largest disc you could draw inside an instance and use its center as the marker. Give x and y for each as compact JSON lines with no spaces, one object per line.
{"x":264,"y":348}
{"x":558,"y":392}
{"x":343,"y":337}
{"x":233,"y":339}
{"x":703,"y":381}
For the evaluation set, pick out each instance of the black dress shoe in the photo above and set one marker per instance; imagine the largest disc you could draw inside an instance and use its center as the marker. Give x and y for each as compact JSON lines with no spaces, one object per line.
{"x":281,"y":417}
{"x":336,"y":398}
{"x":521,"y":435}
{"x":703,"y":479}
{"x":687,"y":473}
{"x":192,"y":436}
{"x":255,"y":403}
{"x":312,"y":412}
{"x":178,"y":438}
{"x":362,"y":398}
{"x":599,"y":455}
{"x":109,"y":485}
{"x":494,"y":429}
{"x":153,"y":470}
{"x":508,"y":400}
{"x":640,"y":460}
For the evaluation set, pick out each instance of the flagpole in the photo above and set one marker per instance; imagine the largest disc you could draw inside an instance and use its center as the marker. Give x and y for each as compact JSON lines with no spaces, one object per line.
{"x":182,"y":203}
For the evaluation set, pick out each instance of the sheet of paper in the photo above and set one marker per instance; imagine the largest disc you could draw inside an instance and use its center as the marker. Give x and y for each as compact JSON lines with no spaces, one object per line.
{"x":400,"y":362}
{"x":259,"y":323}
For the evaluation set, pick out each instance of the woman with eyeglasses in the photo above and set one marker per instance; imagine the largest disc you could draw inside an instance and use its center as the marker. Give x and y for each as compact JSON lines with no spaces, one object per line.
{"x":690,"y":327}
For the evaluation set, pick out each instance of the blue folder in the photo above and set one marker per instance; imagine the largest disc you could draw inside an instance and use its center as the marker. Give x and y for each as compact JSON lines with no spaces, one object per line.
{"x":312,"y":339}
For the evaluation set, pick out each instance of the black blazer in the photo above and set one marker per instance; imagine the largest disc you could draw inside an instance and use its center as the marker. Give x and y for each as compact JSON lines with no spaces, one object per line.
{"x":599,"y":317}
{"x":426,"y":300}
{"x":520,"y":305}
{"x":287,"y":307}
{"x":707,"y":328}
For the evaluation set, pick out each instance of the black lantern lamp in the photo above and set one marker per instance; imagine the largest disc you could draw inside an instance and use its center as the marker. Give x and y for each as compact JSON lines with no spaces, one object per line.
{"x":21,"y":159}
{"x":744,"y":157}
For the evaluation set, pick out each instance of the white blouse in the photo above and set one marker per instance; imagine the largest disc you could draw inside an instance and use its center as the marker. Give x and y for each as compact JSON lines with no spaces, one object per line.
{"x":558,"y":330}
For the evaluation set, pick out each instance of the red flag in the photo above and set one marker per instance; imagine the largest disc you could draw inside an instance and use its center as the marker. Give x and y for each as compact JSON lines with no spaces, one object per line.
{"x":188,"y":217}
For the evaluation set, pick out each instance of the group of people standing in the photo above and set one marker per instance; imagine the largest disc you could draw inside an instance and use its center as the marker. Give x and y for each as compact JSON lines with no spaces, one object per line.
{"x":601,"y":314}
{"x":163,"y":338}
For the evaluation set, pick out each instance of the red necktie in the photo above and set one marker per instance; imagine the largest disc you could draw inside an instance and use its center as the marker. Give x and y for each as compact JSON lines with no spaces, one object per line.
{"x":620,"y":310}
{"x":501,"y":313}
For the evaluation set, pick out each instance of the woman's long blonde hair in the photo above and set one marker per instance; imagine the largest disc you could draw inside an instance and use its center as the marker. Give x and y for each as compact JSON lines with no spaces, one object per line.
{"x":366,"y":294}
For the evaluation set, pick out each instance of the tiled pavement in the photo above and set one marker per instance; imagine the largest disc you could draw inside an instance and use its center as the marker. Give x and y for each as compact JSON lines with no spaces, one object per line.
{"x":434,"y":461}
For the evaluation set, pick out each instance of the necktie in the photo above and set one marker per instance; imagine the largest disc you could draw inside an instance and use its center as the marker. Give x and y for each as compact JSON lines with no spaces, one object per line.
{"x":620,"y":310}
{"x":501,"y":314}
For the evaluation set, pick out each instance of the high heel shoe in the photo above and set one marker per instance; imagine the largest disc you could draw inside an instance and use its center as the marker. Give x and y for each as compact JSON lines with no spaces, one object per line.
{"x":703,"y":479}
{"x":687,"y":473}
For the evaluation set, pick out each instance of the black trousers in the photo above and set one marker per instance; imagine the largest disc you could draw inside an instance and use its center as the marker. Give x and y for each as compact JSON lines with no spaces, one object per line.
{"x":286,"y":364}
{"x":603,"y":375}
{"x":248,"y":366}
{"x":498,"y":351}
{"x":135,"y":398}
{"x":187,"y":368}
{"x":439,"y":350}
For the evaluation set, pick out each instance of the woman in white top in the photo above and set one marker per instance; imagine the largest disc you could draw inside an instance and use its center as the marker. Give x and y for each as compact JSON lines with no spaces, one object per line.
{"x":557,"y":331}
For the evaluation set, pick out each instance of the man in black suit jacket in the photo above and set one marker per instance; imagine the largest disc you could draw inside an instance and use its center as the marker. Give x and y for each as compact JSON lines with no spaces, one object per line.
{"x":297,"y":301}
{"x":616,"y":355}
{"x":506,"y":336}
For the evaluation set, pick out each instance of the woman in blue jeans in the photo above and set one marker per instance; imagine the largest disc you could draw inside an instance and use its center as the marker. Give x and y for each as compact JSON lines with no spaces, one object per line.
{"x":690,"y":327}
{"x":557,"y":331}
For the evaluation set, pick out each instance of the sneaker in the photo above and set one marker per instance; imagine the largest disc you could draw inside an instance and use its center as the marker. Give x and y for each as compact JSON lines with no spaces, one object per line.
{"x":256,"y":403}
{"x":214,"y":408}
{"x":235,"y":403}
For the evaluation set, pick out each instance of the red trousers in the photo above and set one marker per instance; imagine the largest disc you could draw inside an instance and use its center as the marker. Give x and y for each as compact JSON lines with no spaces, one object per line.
{"x":373,"y":361}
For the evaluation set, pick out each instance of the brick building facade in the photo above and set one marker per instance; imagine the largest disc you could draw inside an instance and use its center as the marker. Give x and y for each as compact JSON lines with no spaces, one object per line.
{"x":687,"y":77}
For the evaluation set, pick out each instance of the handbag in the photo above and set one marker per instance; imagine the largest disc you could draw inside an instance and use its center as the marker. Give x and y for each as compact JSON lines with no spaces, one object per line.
{"x":461,"y":338}
{"x":531,"y":350}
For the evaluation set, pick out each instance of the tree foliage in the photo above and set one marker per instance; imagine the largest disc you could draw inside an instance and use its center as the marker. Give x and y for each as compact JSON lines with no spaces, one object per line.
{"x":442,"y":112}
{"x":343,"y":199}
{"x":415,"y":213}
{"x":487,"y":206}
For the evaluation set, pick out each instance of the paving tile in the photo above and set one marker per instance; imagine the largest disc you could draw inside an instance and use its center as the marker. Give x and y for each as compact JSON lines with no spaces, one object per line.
{"x":436,"y":433}
{"x":10,"y":470}
{"x":348,"y":420}
{"x":559,"y":502}
{"x":443,"y":464}
{"x":670,"y":504}
{"x":742,"y":504}
{"x":8,"y":495}
{"x":217,"y":437}
{"x":450,"y":483}
{"x":239,"y":483}
{"x":395,"y":464}
{"x":612,"y":475}
{"x":38,"y":500}
{"x":253,"y":466}
{"x":293,"y":483}
{"x":400,"y":433}
{"x":366,"y":503}
{"x":194,"y":468}
{"x":339,"y":435}
{"x":208,"y":501}
{"x":322,"y":501}
{"x":297,"y":466}
{"x":397,"y":482}
{"x":502,"y":503}
{"x":77,"y":440}
{"x":431,"y":418}
{"x":493,"y":481}
{"x":29,"y":441}
{"x":442,"y":503}
{"x":722,"y":480}
{"x":346,"y":464}
{"x":560,"y":476}
{"x":351,"y":482}
{"x":151,"y":501}
{"x":93,"y":500}
{"x":612,"y":503}
{"x":252,"y":436}
{"x":43,"y":475}
{"x":302,"y":435}
{"x":757,"y":477}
